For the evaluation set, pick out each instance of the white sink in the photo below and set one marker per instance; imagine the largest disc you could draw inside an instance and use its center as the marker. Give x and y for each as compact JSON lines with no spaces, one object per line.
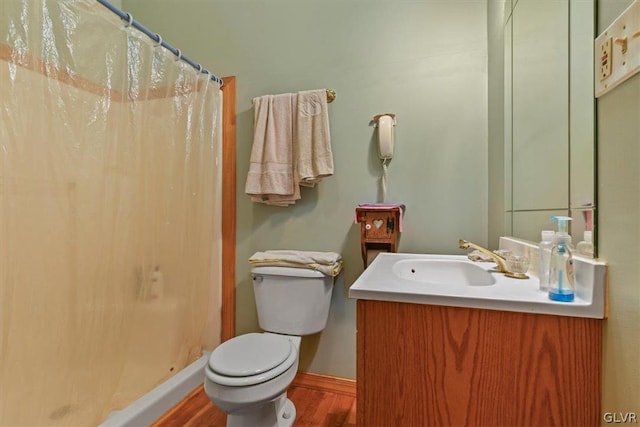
{"x":451,"y":272}
{"x":454,"y":280}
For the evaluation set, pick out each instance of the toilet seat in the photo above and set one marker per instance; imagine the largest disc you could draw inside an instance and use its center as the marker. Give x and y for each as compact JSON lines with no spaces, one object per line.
{"x":250,"y":359}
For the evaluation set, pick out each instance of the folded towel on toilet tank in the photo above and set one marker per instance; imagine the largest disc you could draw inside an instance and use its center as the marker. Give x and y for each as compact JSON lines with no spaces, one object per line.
{"x":328,"y":263}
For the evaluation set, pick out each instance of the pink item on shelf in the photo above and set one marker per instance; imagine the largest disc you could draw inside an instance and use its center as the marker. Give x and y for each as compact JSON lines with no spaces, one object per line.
{"x":588,"y":219}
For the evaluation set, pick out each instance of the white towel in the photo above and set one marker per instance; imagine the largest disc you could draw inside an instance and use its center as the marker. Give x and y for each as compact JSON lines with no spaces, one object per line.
{"x":313,"y":140}
{"x":291,"y":146}
{"x":328,"y":263}
{"x":271,"y":177}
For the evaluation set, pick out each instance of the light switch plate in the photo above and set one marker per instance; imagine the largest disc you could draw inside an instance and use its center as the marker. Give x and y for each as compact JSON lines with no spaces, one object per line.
{"x":617,"y":51}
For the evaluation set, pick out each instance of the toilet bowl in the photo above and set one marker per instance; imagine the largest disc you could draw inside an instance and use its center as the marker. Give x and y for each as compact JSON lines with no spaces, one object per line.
{"x":247,"y":376}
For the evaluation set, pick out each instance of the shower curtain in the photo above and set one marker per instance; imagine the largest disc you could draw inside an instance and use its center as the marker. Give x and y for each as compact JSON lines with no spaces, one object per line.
{"x":109,"y":213}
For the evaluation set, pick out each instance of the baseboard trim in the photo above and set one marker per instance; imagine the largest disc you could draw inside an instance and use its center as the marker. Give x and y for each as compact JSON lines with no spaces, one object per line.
{"x":327,"y":383}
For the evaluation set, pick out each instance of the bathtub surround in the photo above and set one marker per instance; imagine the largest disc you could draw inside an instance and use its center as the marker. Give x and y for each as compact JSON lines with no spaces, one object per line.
{"x":147,"y":409}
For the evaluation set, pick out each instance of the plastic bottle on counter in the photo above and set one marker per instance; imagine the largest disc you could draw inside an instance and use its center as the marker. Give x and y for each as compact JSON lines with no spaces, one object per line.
{"x":561,"y":279}
{"x":585,"y":248}
{"x":544,"y":257}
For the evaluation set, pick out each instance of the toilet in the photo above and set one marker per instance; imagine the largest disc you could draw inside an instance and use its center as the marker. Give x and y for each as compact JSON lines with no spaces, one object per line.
{"x":247,"y":376}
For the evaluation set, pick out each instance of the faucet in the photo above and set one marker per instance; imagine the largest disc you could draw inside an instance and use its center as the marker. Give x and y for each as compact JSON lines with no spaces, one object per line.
{"x":500,"y":261}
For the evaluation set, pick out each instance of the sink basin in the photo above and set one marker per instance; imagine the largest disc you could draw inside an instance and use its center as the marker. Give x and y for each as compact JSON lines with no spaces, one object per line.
{"x":442,"y":272}
{"x":454,"y":280}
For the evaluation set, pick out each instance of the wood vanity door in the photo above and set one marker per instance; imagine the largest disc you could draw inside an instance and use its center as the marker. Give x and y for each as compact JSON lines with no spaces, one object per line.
{"x":423,"y":365}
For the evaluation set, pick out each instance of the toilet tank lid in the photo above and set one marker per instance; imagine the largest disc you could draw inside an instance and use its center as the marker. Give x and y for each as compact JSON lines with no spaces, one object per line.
{"x":287,"y":271}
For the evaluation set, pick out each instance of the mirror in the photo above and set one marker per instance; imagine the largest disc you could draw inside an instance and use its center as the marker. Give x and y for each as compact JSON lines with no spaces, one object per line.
{"x":549,"y":116}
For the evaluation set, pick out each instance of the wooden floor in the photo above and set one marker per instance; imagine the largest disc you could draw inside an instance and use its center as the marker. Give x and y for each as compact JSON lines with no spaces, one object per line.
{"x":313,"y":407}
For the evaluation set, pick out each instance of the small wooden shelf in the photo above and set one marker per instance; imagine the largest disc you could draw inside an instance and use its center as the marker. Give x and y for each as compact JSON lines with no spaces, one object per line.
{"x":379,"y":229}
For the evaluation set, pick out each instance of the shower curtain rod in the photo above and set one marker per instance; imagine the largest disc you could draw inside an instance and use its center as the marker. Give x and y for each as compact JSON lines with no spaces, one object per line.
{"x":128,"y":18}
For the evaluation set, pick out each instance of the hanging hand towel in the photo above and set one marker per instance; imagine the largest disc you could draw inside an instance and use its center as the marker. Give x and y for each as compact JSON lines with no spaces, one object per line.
{"x":271,"y":177}
{"x":313,"y":140}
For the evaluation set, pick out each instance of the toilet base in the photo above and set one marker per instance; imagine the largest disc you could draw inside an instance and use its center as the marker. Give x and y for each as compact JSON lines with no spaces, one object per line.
{"x":279,"y":412}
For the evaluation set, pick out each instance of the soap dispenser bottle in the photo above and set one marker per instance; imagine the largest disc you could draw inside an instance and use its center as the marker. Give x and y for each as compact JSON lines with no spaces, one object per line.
{"x":561,"y":279}
{"x":544,"y":257}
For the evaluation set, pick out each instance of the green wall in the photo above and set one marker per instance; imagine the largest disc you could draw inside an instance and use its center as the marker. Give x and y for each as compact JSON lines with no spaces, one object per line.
{"x":425,"y":61}
{"x":619,"y":231}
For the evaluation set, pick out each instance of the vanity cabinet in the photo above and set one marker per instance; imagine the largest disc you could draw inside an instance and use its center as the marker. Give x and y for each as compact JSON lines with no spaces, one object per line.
{"x":427,"y":365}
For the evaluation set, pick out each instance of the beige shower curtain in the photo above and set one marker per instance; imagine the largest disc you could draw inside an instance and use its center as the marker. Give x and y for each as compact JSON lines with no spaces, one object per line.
{"x":109,"y":213}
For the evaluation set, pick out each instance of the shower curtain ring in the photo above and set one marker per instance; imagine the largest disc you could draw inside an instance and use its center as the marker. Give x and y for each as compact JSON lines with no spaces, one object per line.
{"x":200,"y":67}
{"x":178,"y":54}
{"x":159,"y":41}
{"x":129,"y":20}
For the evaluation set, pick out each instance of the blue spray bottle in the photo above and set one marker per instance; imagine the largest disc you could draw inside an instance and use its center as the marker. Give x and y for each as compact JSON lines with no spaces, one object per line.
{"x":561,"y":280}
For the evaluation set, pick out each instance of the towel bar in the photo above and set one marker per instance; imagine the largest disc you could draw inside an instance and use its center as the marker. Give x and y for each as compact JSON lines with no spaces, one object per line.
{"x":331,"y":95}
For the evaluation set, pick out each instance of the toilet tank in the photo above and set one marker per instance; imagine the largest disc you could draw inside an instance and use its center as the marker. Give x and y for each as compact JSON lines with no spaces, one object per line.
{"x":292,"y":301}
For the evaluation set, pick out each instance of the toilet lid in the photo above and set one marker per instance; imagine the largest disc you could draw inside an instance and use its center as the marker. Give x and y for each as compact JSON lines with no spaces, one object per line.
{"x":250,"y":354}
